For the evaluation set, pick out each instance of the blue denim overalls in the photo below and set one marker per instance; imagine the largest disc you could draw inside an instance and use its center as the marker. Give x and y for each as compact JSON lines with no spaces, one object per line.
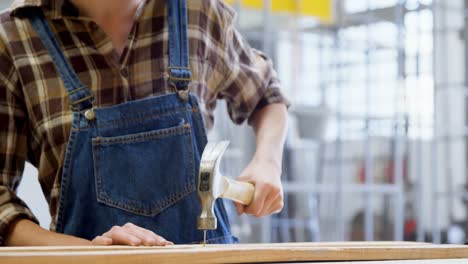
{"x":137,"y":161}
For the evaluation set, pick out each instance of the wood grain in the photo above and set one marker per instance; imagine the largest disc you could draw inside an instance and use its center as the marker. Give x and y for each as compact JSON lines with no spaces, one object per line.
{"x":240,"y":253}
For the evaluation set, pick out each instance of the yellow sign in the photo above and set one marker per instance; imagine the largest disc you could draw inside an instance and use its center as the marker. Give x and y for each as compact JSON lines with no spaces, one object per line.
{"x":321,"y":9}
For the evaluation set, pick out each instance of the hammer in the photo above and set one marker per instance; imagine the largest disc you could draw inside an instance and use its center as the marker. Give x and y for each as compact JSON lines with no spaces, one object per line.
{"x":212,"y":185}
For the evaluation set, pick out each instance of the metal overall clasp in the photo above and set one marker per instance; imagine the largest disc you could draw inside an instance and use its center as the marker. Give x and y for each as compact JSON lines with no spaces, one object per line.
{"x":88,"y":113}
{"x":183,"y":93}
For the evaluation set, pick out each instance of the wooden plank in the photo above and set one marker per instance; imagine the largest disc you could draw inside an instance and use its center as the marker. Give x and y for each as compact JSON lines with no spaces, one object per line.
{"x":305,"y":244}
{"x":240,"y":253}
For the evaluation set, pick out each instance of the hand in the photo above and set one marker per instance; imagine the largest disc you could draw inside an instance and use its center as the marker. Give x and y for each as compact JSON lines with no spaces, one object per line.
{"x":268,"y":197}
{"x":130,"y":234}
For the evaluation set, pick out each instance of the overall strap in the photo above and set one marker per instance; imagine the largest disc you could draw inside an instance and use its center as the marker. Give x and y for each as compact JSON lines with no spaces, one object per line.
{"x":81,"y":98}
{"x":179,"y":69}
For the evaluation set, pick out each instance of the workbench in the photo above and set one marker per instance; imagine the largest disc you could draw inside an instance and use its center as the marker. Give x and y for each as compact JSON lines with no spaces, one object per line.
{"x":346,"y":252}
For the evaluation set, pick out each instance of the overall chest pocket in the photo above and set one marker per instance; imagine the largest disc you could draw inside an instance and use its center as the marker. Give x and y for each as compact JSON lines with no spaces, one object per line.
{"x":147,"y":172}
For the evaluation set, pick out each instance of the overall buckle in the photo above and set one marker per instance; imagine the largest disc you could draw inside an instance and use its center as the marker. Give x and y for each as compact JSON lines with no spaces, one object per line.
{"x":88,"y":113}
{"x":183,"y":93}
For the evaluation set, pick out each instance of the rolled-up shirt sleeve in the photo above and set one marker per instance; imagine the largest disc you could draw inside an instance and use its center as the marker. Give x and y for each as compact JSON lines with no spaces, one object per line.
{"x":251,"y":82}
{"x":13,"y":146}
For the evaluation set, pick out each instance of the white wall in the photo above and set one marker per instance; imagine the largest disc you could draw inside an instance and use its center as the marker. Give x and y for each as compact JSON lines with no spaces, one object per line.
{"x":30,"y":191}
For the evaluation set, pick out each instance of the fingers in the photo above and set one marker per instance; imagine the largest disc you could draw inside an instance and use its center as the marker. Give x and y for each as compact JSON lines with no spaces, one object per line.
{"x":131,"y":235}
{"x":101,"y":241}
{"x":261,"y":193}
{"x":147,"y":237}
{"x":278,"y":207}
{"x":272,"y":197}
{"x":120,"y":236}
{"x":274,"y":206}
{"x":268,"y":199}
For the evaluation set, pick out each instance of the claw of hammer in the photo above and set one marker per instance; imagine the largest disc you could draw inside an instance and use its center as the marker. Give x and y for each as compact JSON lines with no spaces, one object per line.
{"x":212,"y":185}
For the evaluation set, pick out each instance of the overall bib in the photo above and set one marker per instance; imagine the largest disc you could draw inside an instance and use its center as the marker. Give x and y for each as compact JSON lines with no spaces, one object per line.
{"x":138,"y":161}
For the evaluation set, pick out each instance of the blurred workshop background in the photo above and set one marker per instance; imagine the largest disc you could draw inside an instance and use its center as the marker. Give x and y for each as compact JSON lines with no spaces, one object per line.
{"x":376,"y":148}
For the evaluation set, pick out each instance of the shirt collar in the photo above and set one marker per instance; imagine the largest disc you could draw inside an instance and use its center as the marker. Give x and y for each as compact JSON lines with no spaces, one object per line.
{"x":55,"y":9}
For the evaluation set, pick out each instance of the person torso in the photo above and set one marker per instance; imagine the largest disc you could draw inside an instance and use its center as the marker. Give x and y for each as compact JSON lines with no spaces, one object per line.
{"x":140,"y":72}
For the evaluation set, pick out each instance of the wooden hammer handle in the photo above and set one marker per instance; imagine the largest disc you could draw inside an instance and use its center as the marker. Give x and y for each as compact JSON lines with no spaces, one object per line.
{"x":240,"y":192}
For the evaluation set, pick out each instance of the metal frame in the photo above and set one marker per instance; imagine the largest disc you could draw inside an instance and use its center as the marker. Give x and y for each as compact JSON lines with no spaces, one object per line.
{"x":332,"y":174}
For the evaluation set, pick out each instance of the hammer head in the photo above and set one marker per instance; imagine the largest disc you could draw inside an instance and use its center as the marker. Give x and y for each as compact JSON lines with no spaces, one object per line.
{"x":209,"y":183}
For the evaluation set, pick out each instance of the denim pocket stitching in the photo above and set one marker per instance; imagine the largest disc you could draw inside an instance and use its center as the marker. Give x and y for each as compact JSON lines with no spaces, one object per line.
{"x":189,"y":186}
{"x":138,"y":137}
{"x":154,"y":210}
{"x":142,"y":117}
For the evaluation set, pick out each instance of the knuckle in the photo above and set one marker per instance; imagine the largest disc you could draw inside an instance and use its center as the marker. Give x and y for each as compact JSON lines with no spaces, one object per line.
{"x":147,"y":241}
{"x":258,"y":213}
{"x":135,"y":243}
{"x":268,"y":185}
{"x":275,"y":188}
{"x":115,"y":228}
{"x":151,"y":242}
{"x":263,"y":187}
{"x":128,"y":225}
